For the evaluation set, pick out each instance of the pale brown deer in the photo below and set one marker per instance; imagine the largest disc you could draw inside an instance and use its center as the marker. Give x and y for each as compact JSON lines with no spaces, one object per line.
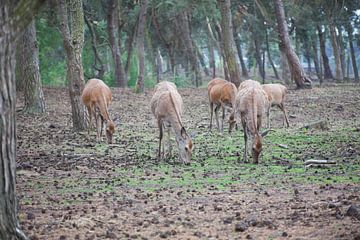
{"x":97,"y":97}
{"x":276,"y":95}
{"x":221,"y":94}
{"x":167,"y":107}
{"x":251,"y":102}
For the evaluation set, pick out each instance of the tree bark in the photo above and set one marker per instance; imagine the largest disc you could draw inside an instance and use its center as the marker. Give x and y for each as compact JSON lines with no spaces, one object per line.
{"x":12,"y":24}
{"x":202,"y":60}
{"x":244,"y":71}
{"x":28,"y":69}
{"x":159,"y":64}
{"x":140,"y":44}
{"x":316,"y":59}
{"x":327,"y":71}
{"x":258,"y":54}
{"x":212,"y":65}
{"x":338,"y":73}
{"x":340,"y":40}
{"x":112,"y":27}
{"x":297,"y":72}
{"x":269,"y":56}
{"x":98,"y":65}
{"x":182,"y":24}
{"x":73,"y":44}
{"x":228,"y":41}
{"x":285,"y":69}
{"x":352,"y":52}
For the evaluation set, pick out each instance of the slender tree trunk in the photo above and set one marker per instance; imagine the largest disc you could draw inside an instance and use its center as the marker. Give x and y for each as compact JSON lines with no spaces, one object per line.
{"x":325,"y":59}
{"x":316,"y":59}
{"x":228,"y":41}
{"x":11,"y":27}
{"x":340,"y":40}
{"x":112,"y":27}
{"x":28,"y":68}
{"x":297,"y":72}
{"x":352,"y":52}
{"x":285,"y":69}
{"x":182,"y":23}
{"x":130,"y":48}
{"x":140,"y":44}
{"x":335,"y":46}
{"x":202,"y":60}
{"x":159,"y":64}
{"x":244,"y":71}
{"x":98,"y":65}
{"x":258,"y":55}
{"x":212,"y":65}
{"x":269,"y":56}
{"x":73,"y":44}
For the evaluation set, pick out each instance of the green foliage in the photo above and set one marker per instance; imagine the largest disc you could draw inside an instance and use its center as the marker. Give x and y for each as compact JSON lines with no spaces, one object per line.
{"x":51,"y":54}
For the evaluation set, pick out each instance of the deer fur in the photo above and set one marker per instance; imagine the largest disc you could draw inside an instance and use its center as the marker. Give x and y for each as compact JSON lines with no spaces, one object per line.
{"x":97,"y":97}
{"x":221,"y":94}
{"x":276,"y":95}
{"x":251,"y":102}
{"x":167,"y":107}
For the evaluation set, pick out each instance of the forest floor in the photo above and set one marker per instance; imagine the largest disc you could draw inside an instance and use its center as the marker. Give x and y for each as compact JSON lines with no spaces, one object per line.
{"x":71,"y":187}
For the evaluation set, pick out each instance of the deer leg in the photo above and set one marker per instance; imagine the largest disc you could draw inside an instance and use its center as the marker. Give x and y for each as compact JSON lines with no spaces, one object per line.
{"x":217,"y":116}
{"x":98,"y":127}
{"x":245,"y":137}
{"x":211,"y":114}
{"x":282,"y":107}
{"x":90,"y":120}
{"x":268,"y":116}
{"x":167,"y":143}
{"x":223,"y":117}
{"x":160,"y":138}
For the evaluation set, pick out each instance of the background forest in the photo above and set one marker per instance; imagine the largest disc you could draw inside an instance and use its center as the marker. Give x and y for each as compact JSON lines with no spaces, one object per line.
{"x":183,"y":41}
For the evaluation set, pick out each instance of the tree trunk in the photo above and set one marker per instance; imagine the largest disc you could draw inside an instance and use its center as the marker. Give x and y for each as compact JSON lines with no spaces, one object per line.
{"x":297,"y":72}
{"x":285,"y":69}
{"x":159,"y":64}
{"x":244,"y":71}
{"x":130,"y":47}
{"x":327,"y":71}
{"x":335,"y":46}
{"x":316,"y":59}
{"x":202,"y":60}
{"x":140,"y":44}
{"x":28,"y":69}
{"x":212,"y":65}
{"x":228,"y":41}
{"x":258,"y":55}
{"x":352,"y":52}
{"x":98,"y":65}
{"x":73,"y":44}
{"x":269,"y":56}
{"x":10,"y":29}
{"x":182,"y":22}
{"x":340,"y":40}
{"x":112,"y":27}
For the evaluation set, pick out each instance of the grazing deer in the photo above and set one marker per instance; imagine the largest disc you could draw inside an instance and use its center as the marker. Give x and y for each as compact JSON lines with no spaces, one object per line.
{"x":96,"y":97}
{"x":276,"y":94}
{"x":251,"y":102}
{"x":167,"y":106}
{"x":221,"y":94}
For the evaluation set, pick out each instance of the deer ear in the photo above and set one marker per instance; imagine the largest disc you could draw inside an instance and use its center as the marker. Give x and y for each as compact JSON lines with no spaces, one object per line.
{"x":183,"y":132}
{"x":263,"y":134}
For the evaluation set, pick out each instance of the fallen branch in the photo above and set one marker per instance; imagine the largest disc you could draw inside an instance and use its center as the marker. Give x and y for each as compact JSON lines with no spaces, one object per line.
{"x":321,"y":125}
{"x":317,"y":163}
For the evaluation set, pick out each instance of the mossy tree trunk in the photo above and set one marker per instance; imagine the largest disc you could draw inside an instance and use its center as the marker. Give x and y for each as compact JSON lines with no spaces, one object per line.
{"x":228,"y":41}
{"x":350,"y":31}
{"x":12,"y":23}
{"x":297,"y":72}
{"x":140,"y":42}
{"x":327,"y":71}
{"x":27,"y":64}
{"x":71,"y":13}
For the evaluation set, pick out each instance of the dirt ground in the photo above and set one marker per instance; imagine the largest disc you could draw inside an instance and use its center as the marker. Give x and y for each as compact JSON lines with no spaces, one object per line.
{"x":70,"y":187}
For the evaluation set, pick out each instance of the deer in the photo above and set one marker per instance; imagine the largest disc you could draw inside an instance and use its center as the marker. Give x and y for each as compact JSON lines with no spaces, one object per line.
{"x":276,"y":94}
{"x":167,"y":107}
{"x":97,"y":97}
{"x":251,"y":102}
{"x":221,"y":94}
